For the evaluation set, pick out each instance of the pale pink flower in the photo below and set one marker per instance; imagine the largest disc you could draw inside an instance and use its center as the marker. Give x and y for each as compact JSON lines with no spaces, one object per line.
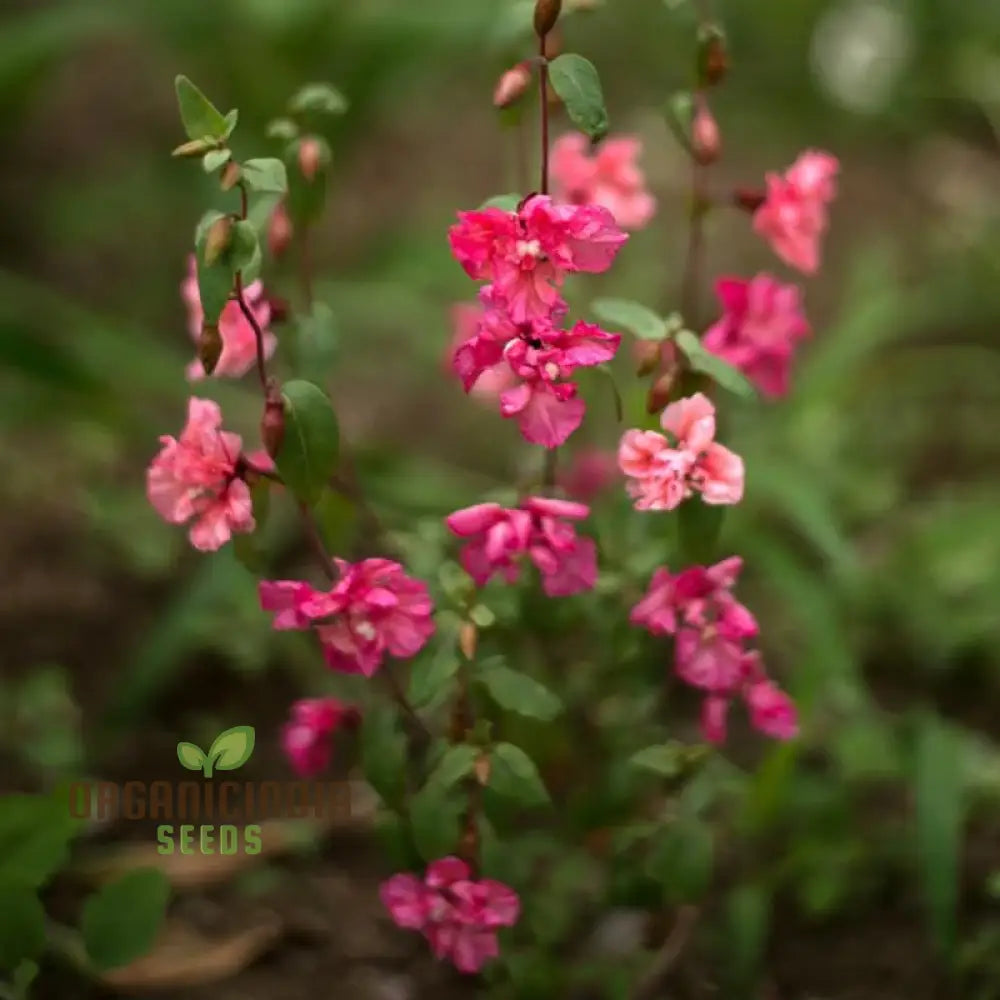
{"x":590,"y":473}
{"x":499,"y":538}
{"x":608,"y":176}
{"x":307,"y":737}
{"x":239,"y":343}
{"x":664,"y":470}
{"x":279,"y":229}
{"x":761,"y":325}
{"x":196,"y":477}
{"x":458,"y":915}
{"x":793,"y":216}
{"x":526,"y":254}
{"x":372,"y":610}
{"x":489,"y":380}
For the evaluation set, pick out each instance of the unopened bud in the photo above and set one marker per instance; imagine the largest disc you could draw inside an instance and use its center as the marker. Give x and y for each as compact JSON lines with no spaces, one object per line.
{"x":278,"y":307}
{"x":467,"y":638}
{"x":546,"y":15}
{"x":272,"y":424}
{"x":209,"y":347}
{"x":230,"y":176}
{"x":217,"y":239}
{"x":196,"y":147}
{"x":279,"y":230}
{"x":706,"y":142}
{"x":310,"y":157}
{"x":748,"y":199}
{"x":512,"y":85}
{"x":481,"y":769}
{"x":659,"y":392}
{"x":647,"y":357}
{"x":553,"y":44}
{"x":713,"y":60}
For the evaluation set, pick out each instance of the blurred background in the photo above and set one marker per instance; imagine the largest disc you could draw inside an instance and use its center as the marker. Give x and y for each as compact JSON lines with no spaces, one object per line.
{"x":871,"y":526}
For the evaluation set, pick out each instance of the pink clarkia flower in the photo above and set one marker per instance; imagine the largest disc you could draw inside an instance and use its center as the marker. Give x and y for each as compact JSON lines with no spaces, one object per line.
{"x":239,"y":343}
{"x":762,"y":322}
{"x":609,"y":177}
{"x":540,"y":357}
{"x":372,"y":610}
{"x":490,"y":379}
{"x":307,"y":737}
{"x":458,"y":915}
{"x":793,"y":216}
{"x":542,"y":529}
{"x":526,"y":254}
{"x":590,"y":473}
{"x":710,"y":629}
{"x":665,"y":470}
{"x":195,"y":478}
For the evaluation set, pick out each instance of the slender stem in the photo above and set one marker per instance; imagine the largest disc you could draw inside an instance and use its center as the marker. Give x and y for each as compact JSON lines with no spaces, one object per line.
{"x":694,"y":258}
{"x":305,"y":267}
{"x":551,"y":463}
{"x":543,"y":90}
{"x":462,"y":721}
{"x":396,"y":690}
{"x":258,"y":333}
{"x":316,"y":541}
{"x":522,"y":162}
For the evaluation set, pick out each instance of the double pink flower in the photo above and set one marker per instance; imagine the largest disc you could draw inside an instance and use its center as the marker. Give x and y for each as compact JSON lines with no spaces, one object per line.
{"x":542,"y":529}
{"x":711,"y":629}
{"x":307,"y":738}
{"x":458,"y":915}
{"x":372,"y":610}
{"x":665,"y":470}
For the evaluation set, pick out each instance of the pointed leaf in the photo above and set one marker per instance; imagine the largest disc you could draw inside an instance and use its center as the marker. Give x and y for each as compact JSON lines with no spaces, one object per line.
{"x":631,"y":316}
{"x":430,"y":674}
{"x":456,"y":764}
{"x":231,"y":118}
{"x":578,"y":85}
{"x":665,"y":759}
{"x":311,"y":447}
{"x":513,"y":775}
{"x":266,"y":175}
{"x":518,"y":692}
{"x":232,"y":748}
{"x":215,"y":280}
{"x":191,"y":756}
{"x":383,"y":754}
{"x":435,"y":821}
{"x":505,"y":202}
{"x":200,"y":117}
{"x":214,"y":159}
{"x":121,"y":921}
{"x":282,"y":128}
{"x":321,"y":98}
{"x":35,"y":834}
{"x":680,"y":115}
{"x":720,"y":371}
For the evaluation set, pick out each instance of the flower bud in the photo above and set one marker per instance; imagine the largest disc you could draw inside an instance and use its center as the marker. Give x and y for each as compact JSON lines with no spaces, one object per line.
{"x":553,"y":44}
{"x":713,"y":60}
{"x":196,"y":147}
{"x":749,"y":200}
{"x":647,"y":357}
{"x":512,"y":85}
{"x":546,"y":15}
{"x":230,"y":176}
{"x":272,"y":424}
{"x":279,"y":308}
{"x":279,"y":230}
{"x":481,"y":769}
{"x":209,"y":347}
{"x":467,"y":637}
{"x":217,"y":239}
{"x":310,"y":157}
{"x":706,"y":143}
{"x":659,"y":392}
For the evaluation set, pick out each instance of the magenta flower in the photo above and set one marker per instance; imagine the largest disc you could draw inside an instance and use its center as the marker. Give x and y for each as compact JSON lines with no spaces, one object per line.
{"x":793,"y":216}
{"x":609,"y":177}
{"x":665,"y":470}
{"x":239,"y":343}
{"x":499,"y":538}
{"x":196,"y":478}
{"x":711,"y":629}
{"x":307,"y":737}
{"x":526,"y":254}
{"x":485,"y":380}
{"x":761,"y":324}
{"x":458,"y":915}
{"x":373,"y":609}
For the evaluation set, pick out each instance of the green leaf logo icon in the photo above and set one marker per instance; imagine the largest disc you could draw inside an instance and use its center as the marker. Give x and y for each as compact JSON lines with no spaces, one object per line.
{"x":229,"y":750}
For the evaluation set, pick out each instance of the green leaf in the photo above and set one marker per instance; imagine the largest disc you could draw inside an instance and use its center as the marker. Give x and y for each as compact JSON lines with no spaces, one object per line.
{"x":245,"y":252}
{"x":191,"y":756}
{"x":318,"y":97}
{"x":482,"y":616}
{"x":631,"y":316}
{"x":435,"y":821}
{"x":214,"y":159}
{"x":456,"y":764}
{"x":699,"y":525}
{"x":514,"y":776}
{"x":22,"y":926}
{"x":215,"y":281}
{"x":505,"y":202}
{"x":232,"y":748}
{"x":231,"y":119}
{"x":707,"y":363}
{"x":665,"y":759}
{"x":35,"y":834}
{"x":120,"y":922}
{"x":940,"y":814}
{"x":682,"y":860}
{"x":200,"y":117}
{"x":576,"y":82}
{"x":680,"y":116}
{"x":337,"y":517}
{"x":518,"y":692}
{"x":311,"y":447}
{"x":282,"y":128}
{"x":608,"y":372}
{"x":383,"y":754}
{"x":429,"y":674}
{"x":266,"y":175}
